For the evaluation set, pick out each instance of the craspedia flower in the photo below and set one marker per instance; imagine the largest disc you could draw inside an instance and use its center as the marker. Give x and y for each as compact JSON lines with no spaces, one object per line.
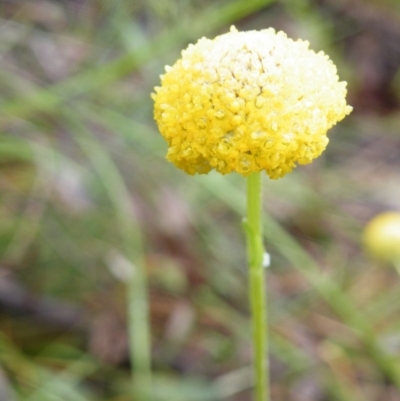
{"x":248,"y":102}
{"x":381,"y":237}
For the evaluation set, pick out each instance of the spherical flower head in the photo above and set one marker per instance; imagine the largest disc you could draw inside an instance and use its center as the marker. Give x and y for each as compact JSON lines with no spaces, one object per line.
{"x":247,"y":102}
{"x":381,"y":237}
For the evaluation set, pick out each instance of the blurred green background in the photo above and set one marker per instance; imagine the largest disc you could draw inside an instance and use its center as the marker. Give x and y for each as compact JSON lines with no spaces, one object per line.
{"x":86,"y":194}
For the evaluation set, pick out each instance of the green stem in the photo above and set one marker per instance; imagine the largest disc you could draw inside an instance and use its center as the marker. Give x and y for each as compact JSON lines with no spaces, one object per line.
{"x":257,"y":288}
{"x":139,"y":332}
{"x":396,"y":265}
{"x":137,"y":297}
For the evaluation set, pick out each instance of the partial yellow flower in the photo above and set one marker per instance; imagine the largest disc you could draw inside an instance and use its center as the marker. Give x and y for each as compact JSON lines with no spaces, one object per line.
{"x":381,"y":237}
{"x":247,"y":102}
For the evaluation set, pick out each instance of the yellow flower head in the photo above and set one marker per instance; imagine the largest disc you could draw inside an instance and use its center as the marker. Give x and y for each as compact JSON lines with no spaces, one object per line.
{"x":381,"y":237}
{"x":246,"y":102}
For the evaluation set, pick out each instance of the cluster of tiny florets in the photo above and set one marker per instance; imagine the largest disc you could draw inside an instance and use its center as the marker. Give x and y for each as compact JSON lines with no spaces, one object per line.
{"x":247,"y":102}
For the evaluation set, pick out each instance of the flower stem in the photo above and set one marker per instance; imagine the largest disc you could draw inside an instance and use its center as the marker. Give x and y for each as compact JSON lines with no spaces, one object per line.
{"x":255,"y":250}
{"x":396,"y":264}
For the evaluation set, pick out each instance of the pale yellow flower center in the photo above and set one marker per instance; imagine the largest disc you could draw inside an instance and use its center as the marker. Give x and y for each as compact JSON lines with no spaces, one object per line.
{"x":381,"y":237}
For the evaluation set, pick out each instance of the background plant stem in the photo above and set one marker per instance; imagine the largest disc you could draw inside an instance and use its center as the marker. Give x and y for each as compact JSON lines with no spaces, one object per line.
{"x":257,"y":290}
{"x":139,"y":332}
{"x":132,"y":248}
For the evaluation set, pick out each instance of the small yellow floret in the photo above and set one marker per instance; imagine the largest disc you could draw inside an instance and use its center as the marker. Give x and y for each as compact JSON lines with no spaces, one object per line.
{"x":381,"y":237}
{"x":247,"y":102}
